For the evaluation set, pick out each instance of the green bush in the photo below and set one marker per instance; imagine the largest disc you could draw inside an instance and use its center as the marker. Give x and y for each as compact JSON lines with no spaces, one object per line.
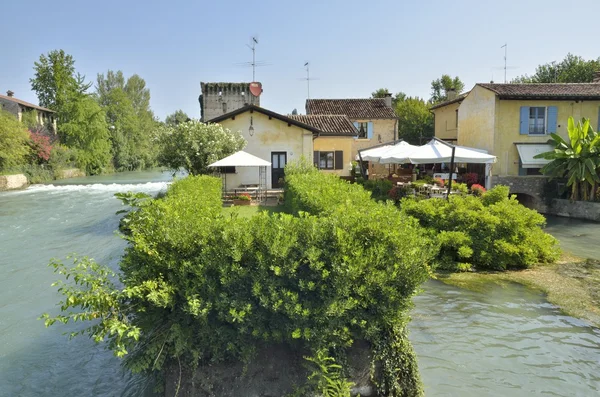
{"x":493,"y":232}
{"x":201,"y":287}
{"x":379,"y":188}
{"x":14,"y":141}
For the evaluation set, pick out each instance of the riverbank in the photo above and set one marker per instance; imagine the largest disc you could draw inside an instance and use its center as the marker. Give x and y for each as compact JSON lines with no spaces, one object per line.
{"x":572,"y":284}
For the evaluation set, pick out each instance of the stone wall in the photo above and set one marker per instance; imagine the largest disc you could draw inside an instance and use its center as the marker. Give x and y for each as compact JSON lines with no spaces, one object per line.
{"x":220,"y":98}
{"x":275,"y":371}
{"x":12,"y":182}
{"x":575,"y":209}
{"x":529,"y":189}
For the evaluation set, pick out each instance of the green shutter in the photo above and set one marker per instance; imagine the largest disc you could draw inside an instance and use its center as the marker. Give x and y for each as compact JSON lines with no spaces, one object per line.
{"x":524,"y":126}
{"x":339,"y":160}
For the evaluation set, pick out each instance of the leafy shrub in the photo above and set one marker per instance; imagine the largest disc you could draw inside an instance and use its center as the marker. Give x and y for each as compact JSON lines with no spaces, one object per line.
{"x":203,"y":287}
{"x":41,"y":147}
{"x":300,"y":166}
{"x":37,"y":173}
{"x":379,"y":188}
{"x":477,"y":190}
{"x":461,"y":187}
{"x":243,"y":197}
{"x":493,"y":232}
{"x":470,"y":178}
{"x":14,"y":140}
{"x":399,"y":192}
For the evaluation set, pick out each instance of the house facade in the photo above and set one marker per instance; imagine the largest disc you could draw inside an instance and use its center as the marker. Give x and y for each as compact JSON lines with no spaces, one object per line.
{"x":374,"y":119}
{"x":513,"y":122}
{"x":332,"y":147}
{"x":18,"y":107}
{"x":270,"y":136}
{"x":446,"y":117}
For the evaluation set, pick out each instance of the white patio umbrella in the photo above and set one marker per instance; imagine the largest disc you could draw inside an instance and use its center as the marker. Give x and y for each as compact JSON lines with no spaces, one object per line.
{"x":397,"y":152}
{"x":373,"y":154}
{"x":437,"y":152}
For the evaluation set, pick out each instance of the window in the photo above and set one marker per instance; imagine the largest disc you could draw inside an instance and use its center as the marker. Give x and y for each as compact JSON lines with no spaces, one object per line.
{"x":537,"y":120}
{"x":363,"y":128}
{"x":326,"y":160}
{"x":456,"y":125}
{"x":228,"y":170}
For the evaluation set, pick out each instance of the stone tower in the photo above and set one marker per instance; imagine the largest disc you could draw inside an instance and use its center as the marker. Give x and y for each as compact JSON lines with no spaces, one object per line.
{"x":217,"y":99}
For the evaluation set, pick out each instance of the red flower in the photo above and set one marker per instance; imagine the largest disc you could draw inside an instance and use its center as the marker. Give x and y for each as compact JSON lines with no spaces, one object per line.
{"x":41,"y":145}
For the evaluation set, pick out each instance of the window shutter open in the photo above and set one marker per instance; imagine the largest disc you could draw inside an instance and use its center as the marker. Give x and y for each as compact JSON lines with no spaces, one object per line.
{"x":524,"y":126}
{"x":339,"y":160}
{"x":316,"y":158}
{"x":356,"y":126}
{"x":552,"y":119}
{"x":370,"y":130}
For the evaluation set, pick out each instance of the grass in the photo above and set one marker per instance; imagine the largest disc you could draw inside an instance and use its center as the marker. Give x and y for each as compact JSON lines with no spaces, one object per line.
{"x":572,"y":283}
{"x":248,"y":211}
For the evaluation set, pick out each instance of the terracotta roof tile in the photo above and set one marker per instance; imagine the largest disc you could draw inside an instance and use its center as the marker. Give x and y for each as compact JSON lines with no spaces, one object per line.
{"x":29,"y":105}
{"x":355,"y":109}
{"x":328,"y":124}
{"x":459,"y":98}
{"x":545,"y":91}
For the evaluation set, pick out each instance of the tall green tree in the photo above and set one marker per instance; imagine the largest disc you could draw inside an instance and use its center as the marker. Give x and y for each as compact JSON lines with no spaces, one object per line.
{"x":194,"y":145}
{"x":572,"y":69}
{"x":14,"y":140}
{"x":415,"y":121}
{"x":381,"y":93}
{"x":577,"y":159}
{"x":56,"y":83}
{"x":178,"y":117}
{"x":441,"y":86}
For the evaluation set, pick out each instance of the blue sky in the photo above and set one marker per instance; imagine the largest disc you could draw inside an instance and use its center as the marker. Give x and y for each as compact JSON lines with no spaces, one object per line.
{"x":354,"y":47}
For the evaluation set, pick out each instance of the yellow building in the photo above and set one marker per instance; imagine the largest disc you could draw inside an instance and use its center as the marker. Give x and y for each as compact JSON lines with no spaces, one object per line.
{"x":332,"y":148}
{"x":374,"y":119}
{"x":514,"y":121}
{"x":446,"y":118}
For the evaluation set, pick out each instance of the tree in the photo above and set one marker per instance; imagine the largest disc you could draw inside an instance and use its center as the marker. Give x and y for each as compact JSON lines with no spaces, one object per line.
{"x":572,"y":69}
{"x":441,"y":86}
{"x":14,"y":140}
{"x":177,"y":118}
{"x":415,"y":121}
{"x":56,"y":83}
{"x":382,"y":92}
{"x":577,"y":159}
{"x":194,"y":145}
{"x":87,"y":130}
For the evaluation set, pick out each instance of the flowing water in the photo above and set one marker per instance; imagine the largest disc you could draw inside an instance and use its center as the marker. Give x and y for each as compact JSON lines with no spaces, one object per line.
{"x":508,"y":341}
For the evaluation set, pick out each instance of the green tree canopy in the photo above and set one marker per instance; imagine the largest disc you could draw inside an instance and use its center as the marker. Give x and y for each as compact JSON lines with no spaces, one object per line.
{"x":381,"y":93}
{"x":415,"y":121}
{"x":572,"y":69}
{"x":56,"y":83}
{"x":441,"y":86}
{"x":178,"y":117}
{"x":14,"y":140}
{"x":194,"y":145}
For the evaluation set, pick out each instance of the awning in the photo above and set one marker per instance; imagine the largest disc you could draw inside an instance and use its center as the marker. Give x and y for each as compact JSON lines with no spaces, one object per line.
{"x":387,"y":153}
{"x":437,"y":152}
{"x":527,"y":152}
{"x":241,"y":159}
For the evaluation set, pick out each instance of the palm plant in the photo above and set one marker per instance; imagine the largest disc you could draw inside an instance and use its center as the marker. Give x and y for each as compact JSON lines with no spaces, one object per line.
{"x":577,"y":159}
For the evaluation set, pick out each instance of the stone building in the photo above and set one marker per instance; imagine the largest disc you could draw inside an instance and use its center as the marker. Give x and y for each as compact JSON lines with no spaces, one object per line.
{"x":218,"y":99}
{"x":374,"y":119}
{"x":45,"y":117}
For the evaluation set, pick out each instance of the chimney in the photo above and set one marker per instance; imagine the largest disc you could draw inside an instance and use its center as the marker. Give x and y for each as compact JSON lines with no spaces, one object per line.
{"x":451,"y":94}
{"x":596,"y":77}
{"x":10,"y":93}
{"x":388,"y":99}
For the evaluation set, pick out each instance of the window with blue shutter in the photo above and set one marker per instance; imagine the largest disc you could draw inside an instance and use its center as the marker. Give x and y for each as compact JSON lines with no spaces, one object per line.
{"x":552,"y":119}
{"x":370,"y":130}
{"x":524,"y":126}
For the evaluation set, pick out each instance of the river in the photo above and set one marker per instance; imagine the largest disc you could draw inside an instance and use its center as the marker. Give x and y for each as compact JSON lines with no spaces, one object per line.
{"x":508,"y":341}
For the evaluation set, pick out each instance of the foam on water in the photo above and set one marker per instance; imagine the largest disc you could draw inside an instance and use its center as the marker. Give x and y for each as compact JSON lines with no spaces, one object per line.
{"x":96,"y":187}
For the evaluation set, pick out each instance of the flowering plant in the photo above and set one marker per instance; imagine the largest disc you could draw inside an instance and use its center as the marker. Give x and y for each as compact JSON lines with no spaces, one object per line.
{"x":438,"y":181}
{"x":470,"y":178}
{"x":477,"y":189}
{"x":243,"y":197}
{"x":41,"y":146}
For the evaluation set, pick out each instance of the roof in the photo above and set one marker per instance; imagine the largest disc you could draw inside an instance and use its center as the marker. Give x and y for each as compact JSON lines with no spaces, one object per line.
{"x":241,"y":159}
{"x":353,"y":108}
{"x":328,"y":124}
{"x":458,"y":99}
{"x":545,"y":91}
{"x":254,"y":108}
{"x":29,"y":105}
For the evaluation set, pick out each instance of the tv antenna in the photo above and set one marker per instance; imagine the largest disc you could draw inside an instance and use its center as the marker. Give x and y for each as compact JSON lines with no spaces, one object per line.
{"x":308,"y":78}
{"x":254,"y":62}
{"x":505,"y":67}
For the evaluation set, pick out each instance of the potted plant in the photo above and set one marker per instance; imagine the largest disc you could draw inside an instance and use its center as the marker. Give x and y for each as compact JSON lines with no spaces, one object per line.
{"x":242,"y":199}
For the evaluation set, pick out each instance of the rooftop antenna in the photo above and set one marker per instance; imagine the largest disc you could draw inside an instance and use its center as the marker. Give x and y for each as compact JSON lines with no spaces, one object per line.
{"x":254,"y":62}
{"x":505,"y":46}
{"x":308,"y":78}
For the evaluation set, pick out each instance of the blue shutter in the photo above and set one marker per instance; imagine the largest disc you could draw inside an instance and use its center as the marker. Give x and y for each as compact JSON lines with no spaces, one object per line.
{"x":356,"y":126}
{"x":524,"y":129}
{"x":370,"y":130}
{"x":552,"y":119}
